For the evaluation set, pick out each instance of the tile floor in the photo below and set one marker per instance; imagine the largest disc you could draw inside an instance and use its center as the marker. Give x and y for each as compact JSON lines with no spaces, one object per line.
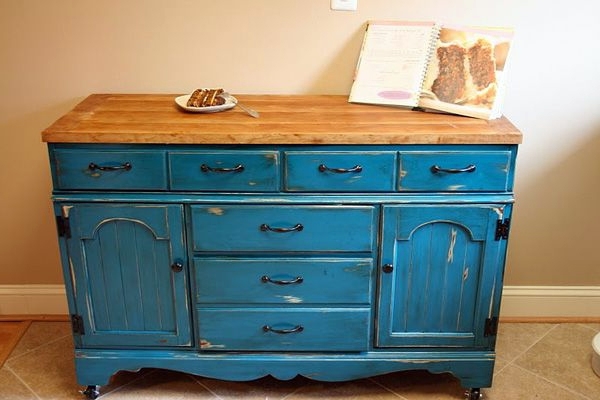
{"x":535,"y":361}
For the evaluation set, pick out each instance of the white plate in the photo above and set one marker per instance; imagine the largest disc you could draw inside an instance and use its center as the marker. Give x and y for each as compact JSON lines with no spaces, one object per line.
{"x":181,"y":101}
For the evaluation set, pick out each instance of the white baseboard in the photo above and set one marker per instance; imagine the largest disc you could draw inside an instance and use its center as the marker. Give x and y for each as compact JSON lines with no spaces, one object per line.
{"x":33,"y":299}
{"x":517,"y":301}
{"x":551,"y":301}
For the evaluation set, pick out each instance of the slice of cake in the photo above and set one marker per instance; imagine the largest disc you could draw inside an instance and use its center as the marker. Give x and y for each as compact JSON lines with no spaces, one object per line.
{"x":206,"y":98}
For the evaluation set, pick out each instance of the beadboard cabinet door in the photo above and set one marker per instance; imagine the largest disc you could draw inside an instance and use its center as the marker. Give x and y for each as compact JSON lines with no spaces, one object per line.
{"x":441,"y":275}
{"x":129,"y":268}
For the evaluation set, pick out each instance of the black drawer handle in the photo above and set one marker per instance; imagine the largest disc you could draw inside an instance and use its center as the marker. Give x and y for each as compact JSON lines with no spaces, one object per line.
{"x":296,"y":329}
{"x":295,"y":228}
{"x":206,"y":168}
{"x":436,"y":168}
{"x":325,"y":168}
{"x":126,"y":166}
{"x":296,"y":280}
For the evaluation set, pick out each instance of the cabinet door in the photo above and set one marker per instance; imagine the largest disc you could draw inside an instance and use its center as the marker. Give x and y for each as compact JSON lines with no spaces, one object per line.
{"x":128,"y":266}
{"x":441,"y":273}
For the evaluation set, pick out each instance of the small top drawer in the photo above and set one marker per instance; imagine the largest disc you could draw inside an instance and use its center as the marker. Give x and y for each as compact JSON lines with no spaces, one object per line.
{"x":454,"y":171}
{"x":277,"y":228}
{"x":371,"y":171}
{"x":239,"y":171}
{"x":85,"y":169}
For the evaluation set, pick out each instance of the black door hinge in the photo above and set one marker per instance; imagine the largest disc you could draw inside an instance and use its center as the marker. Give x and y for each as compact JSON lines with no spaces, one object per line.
{"x":63,"y":226}
{"x":77,"y":324}
{"x":502,"y":228}
{"x":491,"y":327}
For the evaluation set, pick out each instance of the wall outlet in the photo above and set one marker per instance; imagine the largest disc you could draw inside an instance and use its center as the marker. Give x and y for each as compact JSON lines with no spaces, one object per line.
{"x":344,"y":5}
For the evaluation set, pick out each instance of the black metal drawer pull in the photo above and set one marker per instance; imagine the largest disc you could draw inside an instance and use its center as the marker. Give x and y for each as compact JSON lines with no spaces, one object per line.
{"x":266,"y":279}
{"x":295,"y":228}
{"x":296,"y":329}
{"x":325,"y":168}
{"x":206,"y":168}
{"x":126,"y":166}
{"x":436,"y":168}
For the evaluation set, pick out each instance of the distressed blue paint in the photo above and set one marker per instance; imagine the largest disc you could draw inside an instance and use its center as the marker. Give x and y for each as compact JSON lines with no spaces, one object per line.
{"x":260,"y":171}
{"x":436,"y":229}
{"x":442,"y":256}
{"x":318,"y":328}
{"x":491,"y":171}
{"x":147,"y":169}
{"x":377,"y":171}
{"x":347,"y":280}
{"x":126,"y":290}
{"x":237,"y":228}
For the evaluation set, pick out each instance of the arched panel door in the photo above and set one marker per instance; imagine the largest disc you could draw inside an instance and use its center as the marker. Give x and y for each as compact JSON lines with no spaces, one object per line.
{"x":440,"y":268}
{"x":129,"y":271}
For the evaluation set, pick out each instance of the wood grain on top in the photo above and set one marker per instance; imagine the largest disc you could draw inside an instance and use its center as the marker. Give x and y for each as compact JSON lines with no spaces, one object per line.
{"x":284,"y":119}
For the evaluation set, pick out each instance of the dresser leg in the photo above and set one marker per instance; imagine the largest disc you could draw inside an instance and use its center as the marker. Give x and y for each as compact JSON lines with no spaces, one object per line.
{"x":473,"y":394}
{"x":92,"y":392}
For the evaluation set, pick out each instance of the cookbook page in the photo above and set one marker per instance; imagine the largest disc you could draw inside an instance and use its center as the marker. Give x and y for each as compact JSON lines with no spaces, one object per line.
{"x":393,"y":61}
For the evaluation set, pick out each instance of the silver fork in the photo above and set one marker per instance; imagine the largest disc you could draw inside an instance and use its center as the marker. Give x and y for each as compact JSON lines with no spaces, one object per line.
{"x":250,"y":111}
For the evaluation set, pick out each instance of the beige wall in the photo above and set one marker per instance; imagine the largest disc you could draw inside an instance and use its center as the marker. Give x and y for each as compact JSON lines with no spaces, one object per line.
{"x":54,"y":53}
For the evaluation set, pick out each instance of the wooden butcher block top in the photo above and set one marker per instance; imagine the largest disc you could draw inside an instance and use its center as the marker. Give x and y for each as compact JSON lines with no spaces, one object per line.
{"x":284,"y":119}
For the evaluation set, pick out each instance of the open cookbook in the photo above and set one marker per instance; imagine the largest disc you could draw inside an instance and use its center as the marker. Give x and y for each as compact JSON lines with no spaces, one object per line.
{"x":459,"y":70}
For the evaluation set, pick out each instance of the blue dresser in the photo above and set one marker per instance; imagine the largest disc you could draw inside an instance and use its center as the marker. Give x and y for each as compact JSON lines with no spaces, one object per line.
{"x":325,"y":239}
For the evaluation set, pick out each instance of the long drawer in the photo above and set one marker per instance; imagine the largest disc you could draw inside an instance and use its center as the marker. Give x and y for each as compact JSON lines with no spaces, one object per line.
{"x":289,"y":329}
{"x":276,"y":228}
{"x":84,"y":169}
{"x":454,"y":171}
{"x":283,"y":280}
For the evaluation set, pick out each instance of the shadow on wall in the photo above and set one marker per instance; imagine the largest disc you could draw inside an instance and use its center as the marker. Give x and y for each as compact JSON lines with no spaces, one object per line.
{"x":555,"y":238}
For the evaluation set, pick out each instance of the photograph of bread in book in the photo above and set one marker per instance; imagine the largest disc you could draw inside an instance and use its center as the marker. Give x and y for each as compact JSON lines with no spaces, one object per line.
{"x":460,"y":70}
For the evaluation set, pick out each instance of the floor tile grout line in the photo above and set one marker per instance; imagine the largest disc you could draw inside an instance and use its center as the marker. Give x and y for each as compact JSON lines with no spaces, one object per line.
{"x":293,"y":392}
{"x":556,"y":326}
{"x":196,"y":379}
{"x":534,"y":343}
{"x":388,"y":389}
{"x":512,"y":361}
{"x":118,"y":388}
{"x":589,"y":327}
{"x":7,"y":367}
{"x":156,"y":371}
{"x":568,"y":389}
{"x":11,"y":358}
{"x":496,"y":372}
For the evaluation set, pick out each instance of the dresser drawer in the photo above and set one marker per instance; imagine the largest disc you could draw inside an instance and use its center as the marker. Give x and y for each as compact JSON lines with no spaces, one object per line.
{"x":284,"y":329}
{"x":239,"y":171}
{"x":276,"y":228}
{"x":283,"y":280}
{"x":110,"y":169}
{"x":371,"y":171}
{"x":454,"y":171}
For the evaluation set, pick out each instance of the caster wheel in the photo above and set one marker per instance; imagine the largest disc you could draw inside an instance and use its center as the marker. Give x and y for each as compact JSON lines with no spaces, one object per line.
{"x":92,"y":392}
{"x":474,"y":394}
